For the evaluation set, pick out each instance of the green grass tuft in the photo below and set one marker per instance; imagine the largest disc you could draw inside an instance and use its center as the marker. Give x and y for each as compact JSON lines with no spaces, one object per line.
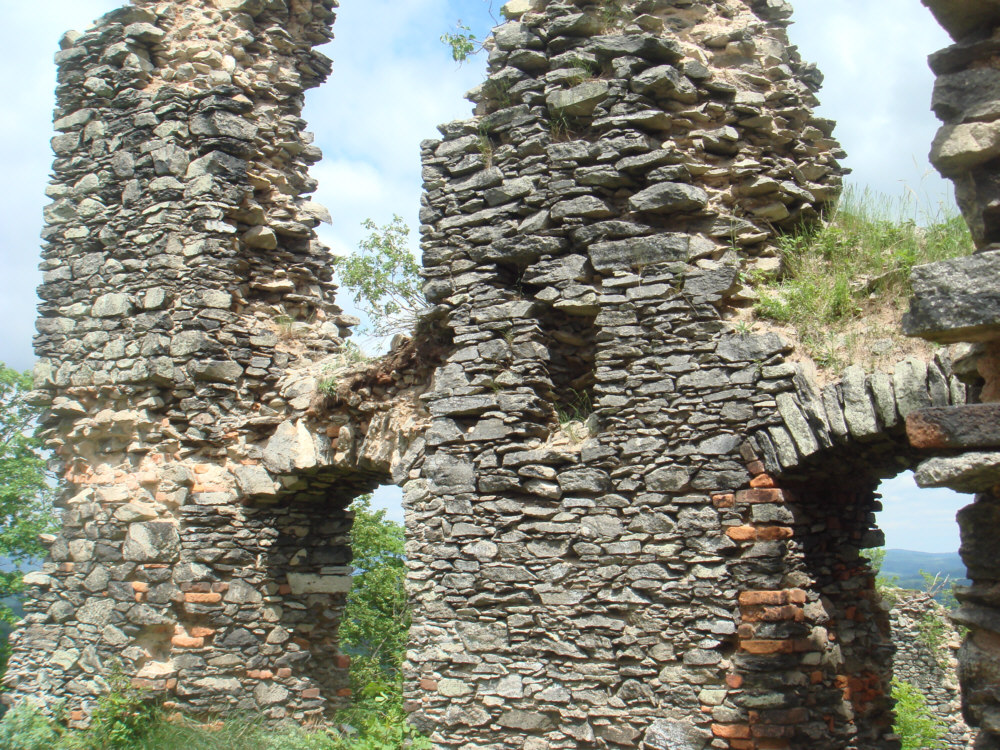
{"x":854,"y":266}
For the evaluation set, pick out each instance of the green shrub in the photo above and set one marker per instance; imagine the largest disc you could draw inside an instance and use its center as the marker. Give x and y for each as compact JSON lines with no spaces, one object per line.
{"x":25,"y":727}
{"x":374,"y":631}
{"x":385,"y":278}
{"x":915,"y":725}
{"x":376,"y":622}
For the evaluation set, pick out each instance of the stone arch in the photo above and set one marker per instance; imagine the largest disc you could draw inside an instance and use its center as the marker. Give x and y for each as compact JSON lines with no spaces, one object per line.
{"x":807,"y":514}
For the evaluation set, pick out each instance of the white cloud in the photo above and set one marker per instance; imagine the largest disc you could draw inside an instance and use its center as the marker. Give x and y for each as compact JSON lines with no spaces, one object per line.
{"x":390,"y":498}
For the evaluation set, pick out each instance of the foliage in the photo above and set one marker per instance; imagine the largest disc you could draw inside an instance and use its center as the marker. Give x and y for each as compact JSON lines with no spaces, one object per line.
{"x":485,"y":146}
{"x":122,"y":717}
{"x":384,"y":277}
{"x":930,"y":629}
{"x":25,"y":501}
{"x":915,"y":725}
{"x":613,"y":12}
{"x":574,"y":414}
{"x":853,"y":265}
{"x":349,"y":354}
{"x":576,"y":408}
{"x":937,"y":586}
{"x":463,"y":43}
{"x":377,"y":619}
{"x":885,"y":585}
{"x":27,"y":728}
{"x":583,"y":70}
{"x":24,"y":727}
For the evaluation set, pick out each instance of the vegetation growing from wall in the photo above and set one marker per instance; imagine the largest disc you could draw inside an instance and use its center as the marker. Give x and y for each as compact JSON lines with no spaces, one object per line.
{"x":385,"y":277}
{"x":462,"y":42}
{"x":374,"y":632}
{"x":844,"y":284}
{"x":914,"y":724}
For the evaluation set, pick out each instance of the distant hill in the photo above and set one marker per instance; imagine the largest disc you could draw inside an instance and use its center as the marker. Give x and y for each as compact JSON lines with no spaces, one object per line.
{"x":905,"y":565}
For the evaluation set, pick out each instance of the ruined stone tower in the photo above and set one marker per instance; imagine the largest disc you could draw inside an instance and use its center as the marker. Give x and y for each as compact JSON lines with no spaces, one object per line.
{"x":629,"y":524}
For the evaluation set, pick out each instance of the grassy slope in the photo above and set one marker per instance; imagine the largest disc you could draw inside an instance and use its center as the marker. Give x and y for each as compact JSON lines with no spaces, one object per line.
{"x":845,"y":284}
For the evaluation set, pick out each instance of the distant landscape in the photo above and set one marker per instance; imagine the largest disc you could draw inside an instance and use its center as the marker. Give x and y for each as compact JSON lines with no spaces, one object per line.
{"x":902,"y":567}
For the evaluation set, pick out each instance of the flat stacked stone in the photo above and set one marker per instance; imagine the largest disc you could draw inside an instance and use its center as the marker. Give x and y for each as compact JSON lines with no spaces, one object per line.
{"x":629,"y":525}
{"x":956,"y":301}
{"x":183,"y":279}
{"x":583,"y":238}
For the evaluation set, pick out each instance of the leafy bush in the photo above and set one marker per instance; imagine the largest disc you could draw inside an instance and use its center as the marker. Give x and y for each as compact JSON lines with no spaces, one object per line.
{"x":385,"y":277}
{"x":376,"y":622}
{"x":915,"y":725}
{"x":463,"y":43}
{"x":122,"y":718}
{"x":24,"y":727}
{"x":244,"y":733}
{"x":25,"y":495}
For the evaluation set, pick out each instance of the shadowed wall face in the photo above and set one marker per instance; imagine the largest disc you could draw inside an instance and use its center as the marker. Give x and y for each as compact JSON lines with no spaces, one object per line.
{"x":957,"y":301}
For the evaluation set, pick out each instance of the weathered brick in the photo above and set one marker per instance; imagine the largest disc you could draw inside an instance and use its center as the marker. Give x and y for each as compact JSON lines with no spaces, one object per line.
{"x":199,"y":598}
{"x":742,"y":533}
{"x":184,"y":641}
{"x":761,"y":495}
{"x":731,"y":731}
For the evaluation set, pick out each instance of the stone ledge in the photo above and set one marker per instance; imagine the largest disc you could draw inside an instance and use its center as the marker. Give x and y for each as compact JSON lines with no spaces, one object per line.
{"x":962,"y":427}
{"x":962,"y":18}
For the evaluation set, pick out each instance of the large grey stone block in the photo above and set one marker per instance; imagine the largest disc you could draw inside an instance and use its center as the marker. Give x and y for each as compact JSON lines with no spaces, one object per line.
{"x":956,"y":300}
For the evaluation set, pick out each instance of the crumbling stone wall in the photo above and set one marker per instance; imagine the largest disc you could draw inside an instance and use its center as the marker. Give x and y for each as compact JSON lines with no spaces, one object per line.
{"x":647,"y":583}
{"x":629,"y":524}
{"x":929,"y":662}
{"x":184,"y":286}
{"x":957,"y":301}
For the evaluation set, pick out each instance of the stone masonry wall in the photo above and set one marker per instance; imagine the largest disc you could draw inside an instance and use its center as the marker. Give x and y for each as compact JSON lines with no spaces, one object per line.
{"x":629,"y":523}
{"x":183,"y":281}
{"x":929,"y":662}
{"x":958,"y":301}
{"x":638,"y":578}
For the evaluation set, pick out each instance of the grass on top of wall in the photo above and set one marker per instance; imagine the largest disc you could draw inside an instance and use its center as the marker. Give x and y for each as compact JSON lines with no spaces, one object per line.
{"x":844,"y":284}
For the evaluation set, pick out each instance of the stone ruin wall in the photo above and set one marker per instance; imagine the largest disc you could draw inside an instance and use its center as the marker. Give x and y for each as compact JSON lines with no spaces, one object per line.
{"x":929,"y":662}
{"x":680,"y":569}
{"x":183,"y":287}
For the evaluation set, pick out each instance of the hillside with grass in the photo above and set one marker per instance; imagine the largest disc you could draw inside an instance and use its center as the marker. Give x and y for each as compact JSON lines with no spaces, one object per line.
{"x":842,"y":286}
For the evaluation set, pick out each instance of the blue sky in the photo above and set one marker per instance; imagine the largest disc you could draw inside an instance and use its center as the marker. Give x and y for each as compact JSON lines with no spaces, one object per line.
{"x":394,"y":82}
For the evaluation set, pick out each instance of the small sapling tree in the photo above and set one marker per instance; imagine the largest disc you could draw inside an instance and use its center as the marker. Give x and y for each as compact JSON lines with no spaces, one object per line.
{"x":384,"y":277}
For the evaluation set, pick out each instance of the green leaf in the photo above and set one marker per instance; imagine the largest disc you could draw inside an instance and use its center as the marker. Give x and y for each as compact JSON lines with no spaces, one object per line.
{"x":385,"y":277}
